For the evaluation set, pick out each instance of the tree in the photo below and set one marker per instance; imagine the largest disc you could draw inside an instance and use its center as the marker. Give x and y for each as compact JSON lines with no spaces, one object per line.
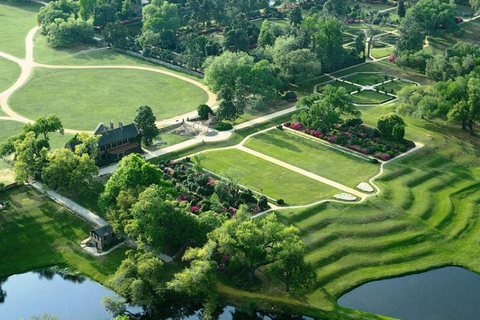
{"x":475,"y":4}
{"x":157,"y":217}
{"x":359,"y":44}
{"x":328,"y":42}
{"x":326,"y":109}
{"x":266,"y":37}
{"x":67,"y":171}
{"x":292,"y":269}
{"x":103,"y":14}
{"x":225,"y":69}
{"x":45,"y":125}
{"x":160,"y":15}
{"x":411,"y":35}
{"x":336,"y":8}
{"x":391,"y":126}
{"x":86,"y":8}
{"x":140,"y":278}
{"x":70,"y":32}
{"x":434,"y":15}
{"x":295,"y":16}
{"x":401,"y":8}
{"x":133,"y":173}
{"x":203,"y":111}
{"x":61,"y":9}
{"x":116,"y":35}
{"x":236,"y":39}
{"x":145,"y":122}
{"x":30,"y":157}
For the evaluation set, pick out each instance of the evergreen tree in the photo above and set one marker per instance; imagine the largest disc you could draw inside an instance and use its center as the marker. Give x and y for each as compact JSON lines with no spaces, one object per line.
{"x":145,"y":122}
{"x":401,"y":9}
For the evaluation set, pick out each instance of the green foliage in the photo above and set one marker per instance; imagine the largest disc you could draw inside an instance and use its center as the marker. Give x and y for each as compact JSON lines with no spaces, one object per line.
{"x":266,"y":37}
{"x":31,"y":157}
{"x":61,"y":9}
{"x":325,"y":110}
{"x":145,"y":122}
{"x":140,"y":278}
{"x":67,"y":171}
{"x":295,"y":16}
{"x":411,"y":35}
{"x":401,"y":11}
{"x":433,"y":15}
{"x":116,"y":35}
{"x":103,"y":14}
{"x":226,"y":68}
{"x":70,"y":32}
{"x":45,"y":125}
{"x":203,"y":111}
{"x":160,"y":15}
{"x":222,"y":126}
{"x":391,"y":126}
{"x":337,"y":8}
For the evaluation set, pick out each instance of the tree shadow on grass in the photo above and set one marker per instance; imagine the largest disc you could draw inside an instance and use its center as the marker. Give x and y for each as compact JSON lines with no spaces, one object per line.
{"x":282,"y":143}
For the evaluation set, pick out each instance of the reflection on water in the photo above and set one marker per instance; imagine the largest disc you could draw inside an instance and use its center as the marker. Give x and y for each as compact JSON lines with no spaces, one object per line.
{"x":66,"y":296}
{"x":3,"y":293}
{"x":442,"y":294}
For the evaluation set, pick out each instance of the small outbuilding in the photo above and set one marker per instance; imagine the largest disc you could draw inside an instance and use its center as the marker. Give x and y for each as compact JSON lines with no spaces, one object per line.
{"x":102,"y":237}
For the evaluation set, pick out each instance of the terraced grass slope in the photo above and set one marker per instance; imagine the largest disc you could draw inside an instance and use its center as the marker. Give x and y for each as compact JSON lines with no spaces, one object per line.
{"x":426,"y":216}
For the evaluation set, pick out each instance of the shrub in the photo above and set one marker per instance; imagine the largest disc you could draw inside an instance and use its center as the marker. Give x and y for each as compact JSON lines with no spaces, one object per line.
{"x":203,"y":111}
{"x":222,"y":126}
{"x":374,"y":161}
{"x":391,"y":154}
{"x":280,"y":202}
{"x":279,"y":127}
{"x":2,"y":185}
{"x":402,"y":149}
{"x":290,"y":95}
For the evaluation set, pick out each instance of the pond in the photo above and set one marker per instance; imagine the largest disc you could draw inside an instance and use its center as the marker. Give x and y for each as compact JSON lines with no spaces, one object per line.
{"x":44,"y":291}
{"x":441,"y":294}
{"x":78,"y":298}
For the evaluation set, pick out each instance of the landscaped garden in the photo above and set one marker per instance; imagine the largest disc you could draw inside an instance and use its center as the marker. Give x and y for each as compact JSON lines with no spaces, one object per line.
{"x":114,"y":94}
{"x":395,"y":85}
{"x":348,"y":86}
{"x":370,"y":97}
{"x":313,"y":156}
{"x":265,"y":177}
{"x":366,"y":79}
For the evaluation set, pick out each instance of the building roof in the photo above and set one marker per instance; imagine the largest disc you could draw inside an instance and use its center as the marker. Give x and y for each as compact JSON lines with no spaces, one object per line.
{"x":102,"y":231}
{"x":109,"y":135}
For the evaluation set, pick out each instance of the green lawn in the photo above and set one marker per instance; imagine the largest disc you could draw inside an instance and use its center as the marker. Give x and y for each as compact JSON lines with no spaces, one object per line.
{"x":83,"y":98}
{"x":306,"y":87}
{"x":313,"y":157}
{"x":396,"y":85}
{"x":337,"y":84}
{"x":16,"y":20}
{"x":9,"y":73}
{"x":366,"y":78}
{"x":266,"y":177}
{"x":382,"y":52}
{"x":36,"y":233}
{"x":388,"y":38}
{"x":369,"y":97}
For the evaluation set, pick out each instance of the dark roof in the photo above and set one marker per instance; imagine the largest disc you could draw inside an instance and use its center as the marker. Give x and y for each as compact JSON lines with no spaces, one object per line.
{"x":102,"y":231}
{"x":113,"y":135}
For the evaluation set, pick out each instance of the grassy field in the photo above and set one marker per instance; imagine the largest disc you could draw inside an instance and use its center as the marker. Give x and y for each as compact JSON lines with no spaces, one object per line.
{"x":266,"y":177}
{"x":16,"y":21}
{"x":313,"y":157}
{"x":37,"y":233}
{"x":382,"y":52}
{"x":396,"y":85}
{"x":366,"y":78}
{"x":349,"y":87}
{"x":469,"y":32}
{"x":10,"y":71}
{"x":369,"y":97}
{"x":86,"y":97}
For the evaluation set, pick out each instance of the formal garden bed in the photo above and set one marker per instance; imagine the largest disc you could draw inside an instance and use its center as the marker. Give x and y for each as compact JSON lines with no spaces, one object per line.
{"x":368,"y":78}
{"x":370,"y":97}
{"x":348,"y":86}
{"x":355,"y":136}
{"x":203,"y":192}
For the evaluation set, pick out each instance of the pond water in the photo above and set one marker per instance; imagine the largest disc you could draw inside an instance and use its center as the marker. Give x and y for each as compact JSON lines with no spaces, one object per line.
{"x":68,"y":297}
{"x":78,"y":298}
{"x":441,"y":294}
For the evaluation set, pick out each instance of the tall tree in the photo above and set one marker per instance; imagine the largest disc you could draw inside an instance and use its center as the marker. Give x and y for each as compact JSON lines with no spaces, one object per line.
{"x":30,"y":157}
{"x":326,"y":109}
{"x":401,"y":8}
{"x":145,"y":122}
{"x":411,"y":35}
{"x":295,"y":16}
{"x":45,"y":125}
{"x":336,"y":8}
{"x":266,"y":37}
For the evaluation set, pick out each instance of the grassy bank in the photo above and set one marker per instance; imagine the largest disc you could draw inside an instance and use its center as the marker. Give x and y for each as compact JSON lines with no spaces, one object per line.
{"x":37,"y":232}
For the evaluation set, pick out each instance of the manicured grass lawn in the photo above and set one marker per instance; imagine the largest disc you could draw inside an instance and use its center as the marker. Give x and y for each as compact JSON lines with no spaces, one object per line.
{"x":337,"y":84}
{"x":469,"y":33}
{"x":16,"y":20}
{"x":366,"y":78}
{"x":266,"y":177}
{"x":37,"y":233}
{"x":83,"y":98}
{"x":313,"y":157}
{"x":9,"y":73}
{"x":382,"y":52}
{"x":396,"y":85}
{"x":281,"y":23}
{"x":369,"y":97}
{"x":250,"y":114}
{"x":306,"y":87}
{"x":388,"y":38}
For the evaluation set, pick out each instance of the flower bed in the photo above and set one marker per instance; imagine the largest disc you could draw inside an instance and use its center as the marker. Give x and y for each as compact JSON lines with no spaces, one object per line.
{"x":203,"y":192}
{"x":359,"y":138}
